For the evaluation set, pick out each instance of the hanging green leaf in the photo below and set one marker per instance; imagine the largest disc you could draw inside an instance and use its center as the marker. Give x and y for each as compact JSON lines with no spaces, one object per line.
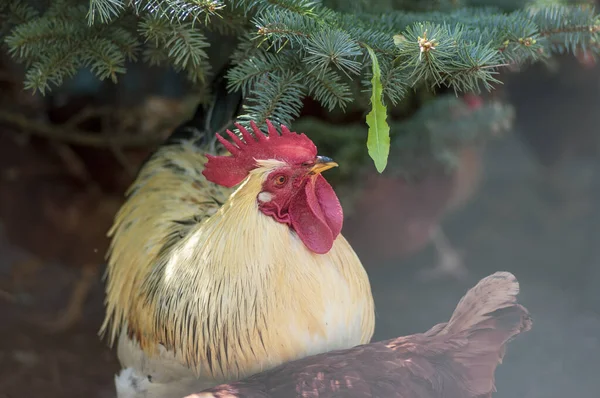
{"x":378,"y":140}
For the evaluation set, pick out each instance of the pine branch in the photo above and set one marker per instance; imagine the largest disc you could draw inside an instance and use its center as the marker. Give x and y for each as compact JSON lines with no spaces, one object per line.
{"x":182,"y":44}
{"x":247,"y":73}
{"x":299,"y":7}
{"x":328,"y":88}
{"x":290,"y":49}
{"x":105,"y":10}
{"x":282,"y":91}
{"x":566,"y":28}
{"x":104,"y":58}
{"x":52,"y":69}
{"x":330,"y":47}
{"x":472,"y":43}
{"x":178,"y":10}
{"x":15,"y":13}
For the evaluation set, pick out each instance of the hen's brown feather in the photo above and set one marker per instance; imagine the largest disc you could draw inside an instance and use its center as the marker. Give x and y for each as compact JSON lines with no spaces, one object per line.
{"x":456,"y":359}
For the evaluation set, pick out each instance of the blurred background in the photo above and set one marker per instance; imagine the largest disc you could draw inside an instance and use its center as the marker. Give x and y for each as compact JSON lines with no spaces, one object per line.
{"x":524,"y":201}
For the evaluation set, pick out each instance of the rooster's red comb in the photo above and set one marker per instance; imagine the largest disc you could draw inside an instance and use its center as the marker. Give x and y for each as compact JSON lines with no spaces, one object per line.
{"x":289,"y":147}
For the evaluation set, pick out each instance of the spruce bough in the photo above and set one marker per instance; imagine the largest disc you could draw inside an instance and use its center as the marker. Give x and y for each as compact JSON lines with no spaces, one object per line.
{"x":290,"y":49}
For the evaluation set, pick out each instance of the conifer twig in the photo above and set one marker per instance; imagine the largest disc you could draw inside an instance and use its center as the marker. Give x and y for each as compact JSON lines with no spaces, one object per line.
{"x":71,"y":161}
{"x":570,"y":29}
{"x":86,"y":114}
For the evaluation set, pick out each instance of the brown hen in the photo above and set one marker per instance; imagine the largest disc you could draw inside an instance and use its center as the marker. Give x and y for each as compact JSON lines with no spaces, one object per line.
{"x":456,"y":359}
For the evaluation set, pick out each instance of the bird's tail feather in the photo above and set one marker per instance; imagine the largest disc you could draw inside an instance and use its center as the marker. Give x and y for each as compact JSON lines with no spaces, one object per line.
{"x":485,"y":319}
{"x":212,"y":118}
{"x":484,"y":301}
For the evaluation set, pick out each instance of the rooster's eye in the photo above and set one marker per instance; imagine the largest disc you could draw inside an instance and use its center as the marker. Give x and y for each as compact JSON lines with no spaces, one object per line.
{"x":280,"y":180}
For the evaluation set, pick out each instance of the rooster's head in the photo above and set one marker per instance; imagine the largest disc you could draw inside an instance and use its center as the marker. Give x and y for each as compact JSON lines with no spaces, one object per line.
{"x":293,"y":191}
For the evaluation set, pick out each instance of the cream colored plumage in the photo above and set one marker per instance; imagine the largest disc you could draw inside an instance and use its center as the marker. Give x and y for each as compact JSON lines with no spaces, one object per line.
{"x":204,"y":288}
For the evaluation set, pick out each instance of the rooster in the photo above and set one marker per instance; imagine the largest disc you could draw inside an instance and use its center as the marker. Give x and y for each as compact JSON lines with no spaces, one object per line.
{"x":224,"y":265}
{"x":456,"y":359}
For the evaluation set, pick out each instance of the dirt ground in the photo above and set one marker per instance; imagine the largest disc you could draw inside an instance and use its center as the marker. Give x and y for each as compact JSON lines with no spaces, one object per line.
{"x":35,"y":363}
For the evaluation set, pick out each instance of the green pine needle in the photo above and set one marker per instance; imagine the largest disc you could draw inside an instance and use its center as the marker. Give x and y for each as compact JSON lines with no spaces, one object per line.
{"x":105,"y":10}
{"x":378,"y":141}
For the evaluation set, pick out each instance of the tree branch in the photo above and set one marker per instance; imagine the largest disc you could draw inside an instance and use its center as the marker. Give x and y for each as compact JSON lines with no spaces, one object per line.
{"x":73,"y":136}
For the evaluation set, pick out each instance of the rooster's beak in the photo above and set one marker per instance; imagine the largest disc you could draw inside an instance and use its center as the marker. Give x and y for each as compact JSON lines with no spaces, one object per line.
{"x":323,"y":163}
